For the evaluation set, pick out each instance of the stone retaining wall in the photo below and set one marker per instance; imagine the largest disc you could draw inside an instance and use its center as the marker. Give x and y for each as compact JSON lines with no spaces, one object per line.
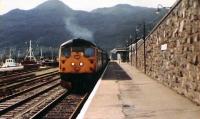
{"x":173,"y":50}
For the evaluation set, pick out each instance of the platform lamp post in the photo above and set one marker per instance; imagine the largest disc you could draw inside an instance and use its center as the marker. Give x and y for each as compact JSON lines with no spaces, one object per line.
{"x":144,"y":35}
{"x":127,"y":51}
{"x":160,"y":7}
{"x":135,"y":41}
{"x":131,"y":42}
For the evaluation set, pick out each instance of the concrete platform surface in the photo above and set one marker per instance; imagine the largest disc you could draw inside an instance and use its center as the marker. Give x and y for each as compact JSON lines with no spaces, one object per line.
{"x":126,"y":93}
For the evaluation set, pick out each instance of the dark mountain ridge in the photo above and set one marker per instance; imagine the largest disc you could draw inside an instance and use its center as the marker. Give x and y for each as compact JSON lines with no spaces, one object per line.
{"x":53,"y":22}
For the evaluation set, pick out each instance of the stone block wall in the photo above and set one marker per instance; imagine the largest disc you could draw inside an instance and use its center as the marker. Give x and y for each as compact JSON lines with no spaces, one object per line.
{"x":173,"y":50}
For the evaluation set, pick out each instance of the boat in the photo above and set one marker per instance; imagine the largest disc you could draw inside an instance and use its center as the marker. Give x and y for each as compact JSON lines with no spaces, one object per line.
{"x":30,"y":61}
{"x":10,"y":65}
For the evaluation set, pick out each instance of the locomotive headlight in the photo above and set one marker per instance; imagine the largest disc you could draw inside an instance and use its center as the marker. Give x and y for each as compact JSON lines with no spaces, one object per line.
{"x":81,"y":63}
{"x":73,"y":63}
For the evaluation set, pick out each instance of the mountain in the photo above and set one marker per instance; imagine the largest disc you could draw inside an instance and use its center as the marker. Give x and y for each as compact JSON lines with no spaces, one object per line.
{"x":53,"y":22}
{"x":53,"y":5}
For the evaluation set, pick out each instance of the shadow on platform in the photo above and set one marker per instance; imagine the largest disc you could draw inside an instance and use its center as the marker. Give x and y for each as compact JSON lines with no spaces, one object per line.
{"x":115,"y":72}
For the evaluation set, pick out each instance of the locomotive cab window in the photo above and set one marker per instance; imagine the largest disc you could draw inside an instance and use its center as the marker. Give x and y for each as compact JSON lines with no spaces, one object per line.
{"x":77,"y":49}
{"x":89,"y":52}
{"x":66,"y":52}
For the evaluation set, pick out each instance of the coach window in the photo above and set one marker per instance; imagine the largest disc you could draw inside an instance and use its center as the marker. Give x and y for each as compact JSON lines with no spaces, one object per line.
{"x":89,"y":52}
{"x":66,"y":52}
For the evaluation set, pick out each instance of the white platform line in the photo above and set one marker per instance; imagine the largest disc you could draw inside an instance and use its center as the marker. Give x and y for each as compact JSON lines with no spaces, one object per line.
{"x":89,"y":100}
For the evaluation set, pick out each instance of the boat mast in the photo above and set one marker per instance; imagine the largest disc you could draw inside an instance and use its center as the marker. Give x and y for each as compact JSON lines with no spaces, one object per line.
{"x":30,"y":50}
{"x":10,"y":54}
{"x":52,"y":54}
{"x":41,"y":56}
{"x":18,"y":54}
{"x":30,"y":54}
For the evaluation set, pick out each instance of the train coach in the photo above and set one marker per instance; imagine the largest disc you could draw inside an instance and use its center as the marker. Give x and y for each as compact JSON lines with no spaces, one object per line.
{"x":80,"y":62}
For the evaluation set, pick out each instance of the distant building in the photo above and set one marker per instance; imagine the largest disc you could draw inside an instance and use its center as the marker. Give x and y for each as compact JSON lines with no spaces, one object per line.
{"x":119,"y":54}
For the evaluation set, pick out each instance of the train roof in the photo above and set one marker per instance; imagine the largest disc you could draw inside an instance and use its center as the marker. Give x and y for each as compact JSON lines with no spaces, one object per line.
{"x":78,"y":42}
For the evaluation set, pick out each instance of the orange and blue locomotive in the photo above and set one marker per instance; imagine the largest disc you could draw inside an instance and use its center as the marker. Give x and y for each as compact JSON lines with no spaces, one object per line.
{"x":80,"y":62}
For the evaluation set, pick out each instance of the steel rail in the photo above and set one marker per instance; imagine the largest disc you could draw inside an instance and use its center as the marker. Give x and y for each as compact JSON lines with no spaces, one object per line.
{"x":22,"y":72}
{"x":26,"y":80}
{"x":41,"y":103}
{"x":58,"y":100}
{"x":23,"y":101}
{"x":45,"y":110}
{"x":79,"y":107}
{"x":26,"y":90}
{"x":23,"y":77}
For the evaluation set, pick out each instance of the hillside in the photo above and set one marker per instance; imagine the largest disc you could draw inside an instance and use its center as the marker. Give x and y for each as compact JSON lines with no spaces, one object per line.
{"x":53,"y":22}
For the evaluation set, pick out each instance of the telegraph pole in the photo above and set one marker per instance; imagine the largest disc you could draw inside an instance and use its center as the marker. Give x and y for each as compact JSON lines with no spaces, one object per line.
{"x":144,"y":33}
{"x":131,"y":49}
{"x":136,"y":47}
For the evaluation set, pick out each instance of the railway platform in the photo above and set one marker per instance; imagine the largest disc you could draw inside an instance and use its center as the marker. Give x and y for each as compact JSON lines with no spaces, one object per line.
{"x":126,"y":93}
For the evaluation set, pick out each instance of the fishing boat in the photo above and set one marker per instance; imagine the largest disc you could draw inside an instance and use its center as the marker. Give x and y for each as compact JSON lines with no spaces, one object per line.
{"x":30,"y":61}
{"x":10,"y":65}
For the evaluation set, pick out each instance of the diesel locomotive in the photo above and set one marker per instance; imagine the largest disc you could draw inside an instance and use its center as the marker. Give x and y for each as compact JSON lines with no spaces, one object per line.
{"x":80,"y":62}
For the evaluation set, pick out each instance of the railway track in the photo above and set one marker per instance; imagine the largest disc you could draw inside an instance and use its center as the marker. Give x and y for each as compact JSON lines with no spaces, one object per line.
{"x":16,"y":73}
{"x":40,"y":97}
{"x":10,"y":80}
{"x":12,"y":77}
{"x":18,"y":105}
{"x":66,"y":106}
{"x":36,"y":102}
{"x":32,"y":87}
{"x":24,"y":83}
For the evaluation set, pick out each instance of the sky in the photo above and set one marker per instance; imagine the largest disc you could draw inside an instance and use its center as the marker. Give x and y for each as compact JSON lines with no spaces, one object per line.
{"x":86,"y":5}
